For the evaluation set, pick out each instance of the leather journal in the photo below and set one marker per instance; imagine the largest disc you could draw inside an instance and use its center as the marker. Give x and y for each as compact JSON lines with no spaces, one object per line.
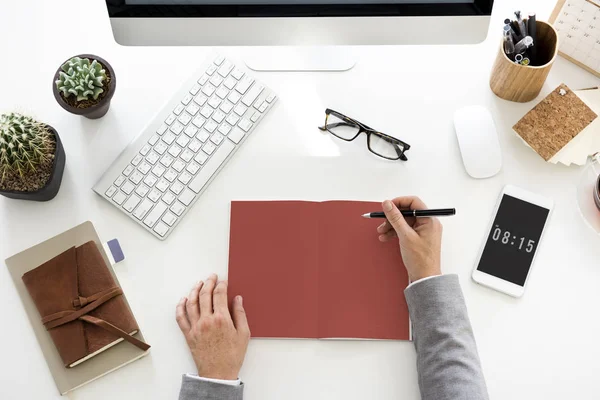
{"x":81,"y":305}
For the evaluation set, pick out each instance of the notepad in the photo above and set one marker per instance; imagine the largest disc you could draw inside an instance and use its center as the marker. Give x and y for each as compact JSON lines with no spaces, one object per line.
{"x":316,"y":270}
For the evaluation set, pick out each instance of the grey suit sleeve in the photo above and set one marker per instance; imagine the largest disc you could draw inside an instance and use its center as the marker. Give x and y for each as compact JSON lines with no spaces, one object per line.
{"x":447,"y":361}
{"x":195,"y":389}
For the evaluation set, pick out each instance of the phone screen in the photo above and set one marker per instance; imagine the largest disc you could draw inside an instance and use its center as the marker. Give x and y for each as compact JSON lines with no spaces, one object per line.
{"x":513,"y":240}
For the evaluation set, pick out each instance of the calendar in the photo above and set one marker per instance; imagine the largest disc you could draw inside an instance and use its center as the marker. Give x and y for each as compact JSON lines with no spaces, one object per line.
{"x":578,"y":25}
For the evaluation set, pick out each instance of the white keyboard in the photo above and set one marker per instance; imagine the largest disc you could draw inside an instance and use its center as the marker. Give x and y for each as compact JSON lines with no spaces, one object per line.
{"x":161,"y":174}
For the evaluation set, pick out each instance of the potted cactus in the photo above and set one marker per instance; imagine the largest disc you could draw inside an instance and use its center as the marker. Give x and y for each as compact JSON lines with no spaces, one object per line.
{"x":84,"y":85}
{"x":32,"y":158}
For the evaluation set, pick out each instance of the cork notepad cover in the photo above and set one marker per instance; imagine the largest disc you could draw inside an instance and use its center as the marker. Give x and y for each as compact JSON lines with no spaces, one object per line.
{"x":554,"y":122}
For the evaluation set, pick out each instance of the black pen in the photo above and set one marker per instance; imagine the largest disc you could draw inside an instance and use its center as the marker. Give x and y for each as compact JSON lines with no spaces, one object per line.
{"x":532,"y":31}
{"x":444,"y":212}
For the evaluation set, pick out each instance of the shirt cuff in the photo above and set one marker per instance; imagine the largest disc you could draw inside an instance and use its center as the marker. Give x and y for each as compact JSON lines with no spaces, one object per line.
{"x":237,"y":382}
{"x":423,"y":280}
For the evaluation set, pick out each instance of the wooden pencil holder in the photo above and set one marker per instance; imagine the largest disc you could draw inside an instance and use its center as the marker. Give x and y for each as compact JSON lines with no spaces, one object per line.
{"x":522,"y":83}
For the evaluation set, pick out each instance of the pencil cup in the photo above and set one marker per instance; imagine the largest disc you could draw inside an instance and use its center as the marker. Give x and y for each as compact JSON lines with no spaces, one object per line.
{"x":522,"y":83}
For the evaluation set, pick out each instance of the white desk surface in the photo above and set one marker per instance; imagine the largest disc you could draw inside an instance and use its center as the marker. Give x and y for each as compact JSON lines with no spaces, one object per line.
{"x":542,"y":346}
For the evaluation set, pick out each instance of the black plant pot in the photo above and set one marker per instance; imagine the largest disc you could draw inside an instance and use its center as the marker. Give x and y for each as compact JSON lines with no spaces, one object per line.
{"x":49,"y":191}
{"x":97,"y":110}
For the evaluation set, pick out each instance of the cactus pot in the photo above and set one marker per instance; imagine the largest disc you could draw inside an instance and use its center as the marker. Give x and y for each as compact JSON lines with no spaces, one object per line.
{"x":97,"y":110}
{"x":49,"y":191}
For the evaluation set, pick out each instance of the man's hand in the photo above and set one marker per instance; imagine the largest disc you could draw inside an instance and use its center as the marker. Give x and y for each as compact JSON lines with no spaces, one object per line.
{"x":217,"y":341}
{"x":420,"y":238}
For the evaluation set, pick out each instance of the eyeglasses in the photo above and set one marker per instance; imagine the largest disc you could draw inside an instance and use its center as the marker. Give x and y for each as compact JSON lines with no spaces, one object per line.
{"x":378,"y":143}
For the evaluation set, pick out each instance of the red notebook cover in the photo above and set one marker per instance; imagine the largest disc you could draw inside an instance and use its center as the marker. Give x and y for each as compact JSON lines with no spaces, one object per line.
{"x":316,"y":270}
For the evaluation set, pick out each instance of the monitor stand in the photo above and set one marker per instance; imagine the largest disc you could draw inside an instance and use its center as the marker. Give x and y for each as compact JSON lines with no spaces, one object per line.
{"x":299,"y":58}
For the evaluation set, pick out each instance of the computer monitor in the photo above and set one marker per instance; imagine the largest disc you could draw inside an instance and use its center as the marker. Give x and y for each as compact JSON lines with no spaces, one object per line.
{"x":314,"y":25}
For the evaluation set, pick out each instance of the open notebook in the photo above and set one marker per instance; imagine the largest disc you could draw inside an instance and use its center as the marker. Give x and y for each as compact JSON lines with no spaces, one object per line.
{"x":316,"y":270}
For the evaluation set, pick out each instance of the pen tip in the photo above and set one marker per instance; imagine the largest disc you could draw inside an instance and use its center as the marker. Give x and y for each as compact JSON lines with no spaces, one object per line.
{"x":366,"y":216}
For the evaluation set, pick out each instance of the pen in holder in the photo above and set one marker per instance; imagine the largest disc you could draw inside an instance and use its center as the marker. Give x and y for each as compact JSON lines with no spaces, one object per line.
{"x":588,"y":193}
{"x":522,"y":83}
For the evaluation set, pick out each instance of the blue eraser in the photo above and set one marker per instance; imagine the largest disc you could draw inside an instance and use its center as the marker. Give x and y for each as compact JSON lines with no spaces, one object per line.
{"x":116,"y":251}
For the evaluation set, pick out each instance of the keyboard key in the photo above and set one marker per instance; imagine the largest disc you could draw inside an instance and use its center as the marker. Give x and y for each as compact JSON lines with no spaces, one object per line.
{"x":209,"y":169}
{"x":142,"y":209}
{"x":152,"y":141}
{"x":270,"y":98}
{"x":136,"y":177}
{"x":175,"y":150}
{"x":161,"y":147}
{"x":182,"y":140}
{"x":128,"y":187}
{"x":255,"y":117}
{"x":162,"y":185}
{"x":145,"y":149}
{"x":184,"y":178}
{"x":131,"y":203}
{"x":200,"y":100}
{"x":219,"y":60}
{"x":208,"y":90}
{"x":186,"y":100}
{"x":150,"y":180}
{"x":195,"y":89}
{"x":178,"y":165}
{"x":139,"y":157}
{"x":201,"y":158}
{"x":177,"y":208}
{"x":222,"y":92}
{"x":155,"y":214}
{"x":229,"y":83}
{"x":166,"y":160}
{"x":226,"y":107}
{"x":211,"y":70}
{"x":225,"y":68}
{"x":128,"y":170}
{"x":203,"y":79}
{"x":263,"y":107}
{"x":187,"y":155}
{"x":192,"y":168}
{"x":208,"y":148}
{"x":193,"y":109}
{"x":119,"y":198}
{"x":186,"y":197}
{"x":225,"y":129}
{"x":195,"y":146}
{"x":236,"y":135}
{"x":170,"y":175}
{"x":152,"y":158}
{"x":169,"y":219}
{"x":210,"y":126}
{"x":237,"y":74}
{"x":158,"y":170}
{"x":245,"y":125}
{"x":154,"y":195}
{"x":216,"y":138}
{"x":198,"y":121}
{"x":232,"y":119}
{"x":142,"y":190}
{"x":216,"y":80}
{"x":190,"y":131}
{"x":162,"y":129}
{"x":202,"y":135}
{"x":169,"y":197}
{"x":184,"y":118}
{"x":234,"y":97}
{"x":218,"y":116}
{"x":244,"y":85}
{"x":161,"y":229}
{"x":144,"y":167}
{"x":252,"y":94}
{"x":207,"y":111}
{"x":178,"y":109}
{"x":177,"y":128}
{"x":168,"y":138}
{"x":240,"y":110}
{"x":119,"y":181}
{"x":170,"y":119}
{"x":111,"y":190}
{"x":177,"y":187}
{"x":214,"y":102}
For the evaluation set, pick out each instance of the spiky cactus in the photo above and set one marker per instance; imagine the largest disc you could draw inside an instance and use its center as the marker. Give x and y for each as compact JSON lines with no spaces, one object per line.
{"x":25,"y":144}
{"x":81,"y":78}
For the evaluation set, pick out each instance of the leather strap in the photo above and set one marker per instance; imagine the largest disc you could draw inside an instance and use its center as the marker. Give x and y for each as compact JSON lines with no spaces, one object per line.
{"x":114,"y":330}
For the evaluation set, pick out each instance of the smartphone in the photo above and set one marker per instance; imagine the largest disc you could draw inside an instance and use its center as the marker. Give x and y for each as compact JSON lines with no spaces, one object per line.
{"x":507,"y":255}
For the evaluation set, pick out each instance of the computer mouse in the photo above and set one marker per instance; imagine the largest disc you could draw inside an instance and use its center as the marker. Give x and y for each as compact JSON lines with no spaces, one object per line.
{"x":478,"y":141}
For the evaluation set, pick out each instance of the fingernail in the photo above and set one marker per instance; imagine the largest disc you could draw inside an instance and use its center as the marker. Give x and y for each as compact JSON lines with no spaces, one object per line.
{"x":213,"y":277}
{"x":182,"y":300}
{"x":381,"y":238}
{"x":240,"y":300}
{"x":381,"y":226}
{"x":387,"y":206}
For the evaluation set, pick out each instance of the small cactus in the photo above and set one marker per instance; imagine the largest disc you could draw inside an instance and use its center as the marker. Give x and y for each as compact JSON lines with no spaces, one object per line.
{"x":24,"y":144}
{"x":81,"y":78}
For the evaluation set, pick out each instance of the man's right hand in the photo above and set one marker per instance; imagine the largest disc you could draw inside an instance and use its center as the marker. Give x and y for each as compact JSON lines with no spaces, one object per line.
{"x":420,"y":238}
